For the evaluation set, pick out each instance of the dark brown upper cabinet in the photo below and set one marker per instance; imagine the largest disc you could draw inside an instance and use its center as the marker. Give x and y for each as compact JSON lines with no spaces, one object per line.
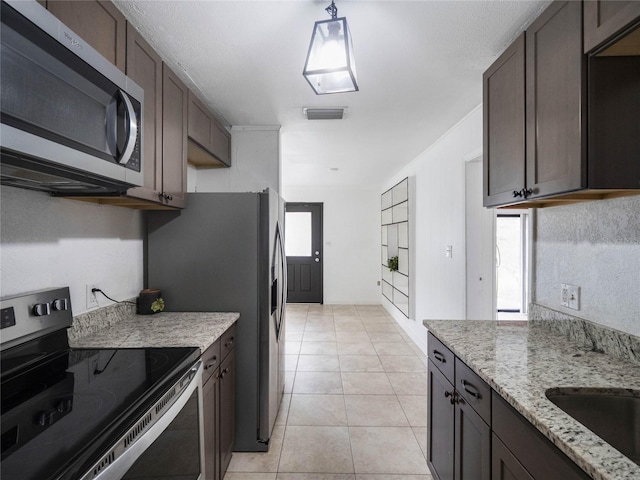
{"x":99,"y":23}
{"x":568,"y":128}
{"x":164,"y":131}
{"x":144,"y":66}
{"x":556,"y":99}
{"x":504,"y":125}
{"x":175,"y":99}
{"x":209,"y":141}
{"x":604,"y":19}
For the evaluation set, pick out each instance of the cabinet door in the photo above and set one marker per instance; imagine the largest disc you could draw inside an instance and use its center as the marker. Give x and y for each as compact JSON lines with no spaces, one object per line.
{"x":441,"y":415}
{"x":556,"y":101}
{"x":144,"y":66}
{"x":227,"y":410}
{"x":504,"y":126}
{"x":98,"y":23}
{"x":211,"y":421}
{"x":504,"y":466}
{"x":472,"y":444}
{"x":200,"y":123}
{"x":175,"y":98}
{"x":605,"y":18}
{"x":221,"y":143}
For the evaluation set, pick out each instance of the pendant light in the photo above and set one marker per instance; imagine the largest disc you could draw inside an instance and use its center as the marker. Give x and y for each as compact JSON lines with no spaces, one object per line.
{"x":330,"y":67}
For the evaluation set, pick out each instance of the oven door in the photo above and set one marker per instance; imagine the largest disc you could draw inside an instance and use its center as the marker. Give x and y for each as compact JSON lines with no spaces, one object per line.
{"x":166,"y":442}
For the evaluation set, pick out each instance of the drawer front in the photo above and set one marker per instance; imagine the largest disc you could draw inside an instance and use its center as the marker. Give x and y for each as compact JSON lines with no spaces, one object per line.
{"x":211,"y":360}
{"x":473,"y":390}
{"x":441,"y":357}
{"x":227,"y":341}
{"x":536,"y":453}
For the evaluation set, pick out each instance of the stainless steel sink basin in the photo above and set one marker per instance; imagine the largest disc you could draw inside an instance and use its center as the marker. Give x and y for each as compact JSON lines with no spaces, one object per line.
{"x":612,"y":414}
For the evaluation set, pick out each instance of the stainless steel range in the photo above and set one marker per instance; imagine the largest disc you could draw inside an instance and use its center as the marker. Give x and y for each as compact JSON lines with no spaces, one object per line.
{"x":93,"y":414}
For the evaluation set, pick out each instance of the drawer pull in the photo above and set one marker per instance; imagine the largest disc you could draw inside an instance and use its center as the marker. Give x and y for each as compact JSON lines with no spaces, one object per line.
{"x":211,"y":363}
{"x":440,"y":357}
{"x":229,"y":343}
{"x":471,"y":391}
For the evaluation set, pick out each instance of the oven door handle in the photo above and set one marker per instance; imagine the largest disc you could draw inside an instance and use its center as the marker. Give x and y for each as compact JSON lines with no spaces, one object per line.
{"x":127,"y":456}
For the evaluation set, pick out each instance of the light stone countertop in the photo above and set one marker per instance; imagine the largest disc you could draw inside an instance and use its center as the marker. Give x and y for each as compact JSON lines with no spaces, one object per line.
{"x":166,"y":329}
{"x":521,"y":362}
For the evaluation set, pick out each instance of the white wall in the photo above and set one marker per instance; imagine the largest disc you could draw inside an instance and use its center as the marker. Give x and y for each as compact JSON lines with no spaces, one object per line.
{"x":351,"y":241}
{"x":438,"y":282}
{"x":255,"y":164}
{"x":51,"y":242}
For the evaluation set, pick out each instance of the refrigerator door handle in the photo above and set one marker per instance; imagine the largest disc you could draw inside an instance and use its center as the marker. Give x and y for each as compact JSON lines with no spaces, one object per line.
{"x":278,"y":289}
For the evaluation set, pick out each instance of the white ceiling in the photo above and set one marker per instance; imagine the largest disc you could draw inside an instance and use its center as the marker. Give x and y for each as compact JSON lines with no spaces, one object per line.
{"x":419,"y":67}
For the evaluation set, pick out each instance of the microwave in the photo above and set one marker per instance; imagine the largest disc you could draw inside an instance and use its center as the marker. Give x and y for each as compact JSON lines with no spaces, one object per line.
{"x":71,"y":122}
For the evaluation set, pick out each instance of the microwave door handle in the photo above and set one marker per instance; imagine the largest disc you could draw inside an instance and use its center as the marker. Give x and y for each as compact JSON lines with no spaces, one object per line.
{"x":131,"y":127}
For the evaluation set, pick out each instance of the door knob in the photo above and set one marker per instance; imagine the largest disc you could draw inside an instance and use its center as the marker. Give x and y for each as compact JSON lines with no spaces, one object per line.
{"x":317,"y":252}
{"x":317,"y":259}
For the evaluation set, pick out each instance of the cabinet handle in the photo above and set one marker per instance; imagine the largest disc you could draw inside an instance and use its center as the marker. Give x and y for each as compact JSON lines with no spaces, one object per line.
{"x":211,"y":363}
{"x":440,"y":357}
{"x":471,"y":391}
{"x":229,"y":343}
{"x":454,"y":397}
{"x":524,"y":193}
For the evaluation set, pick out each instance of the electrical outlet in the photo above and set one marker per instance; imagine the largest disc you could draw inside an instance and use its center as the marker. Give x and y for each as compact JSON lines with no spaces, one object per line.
{"x":570,"y":296}
{"x":564,"y":294}
{"x":574,"y":297}
{"x":92,"y":299}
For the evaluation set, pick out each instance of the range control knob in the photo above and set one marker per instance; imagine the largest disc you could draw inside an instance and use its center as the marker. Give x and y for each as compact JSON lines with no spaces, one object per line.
{"x":60,"y":304}
{"x":41,"y":309}
{"x":65,"y":405}
{"x":45,"y":418}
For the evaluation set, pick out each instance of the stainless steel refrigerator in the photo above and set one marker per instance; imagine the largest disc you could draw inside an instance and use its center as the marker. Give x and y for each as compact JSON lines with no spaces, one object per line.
{"x":225,"y":253}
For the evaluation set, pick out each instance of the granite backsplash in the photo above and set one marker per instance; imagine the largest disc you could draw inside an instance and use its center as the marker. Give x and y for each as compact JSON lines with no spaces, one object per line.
{"x":592,"y":335}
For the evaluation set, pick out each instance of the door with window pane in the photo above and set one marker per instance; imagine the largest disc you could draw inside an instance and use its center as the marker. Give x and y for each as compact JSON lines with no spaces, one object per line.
{"x":303,"y":247}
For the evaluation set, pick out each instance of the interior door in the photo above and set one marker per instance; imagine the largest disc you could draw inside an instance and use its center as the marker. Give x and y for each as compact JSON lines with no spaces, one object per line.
{"x":303,"y":247}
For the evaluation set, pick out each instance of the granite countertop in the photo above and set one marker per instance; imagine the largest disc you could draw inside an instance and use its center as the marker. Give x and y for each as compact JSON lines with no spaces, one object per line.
{"x":520,"y":362}
{"x":166,"y":329}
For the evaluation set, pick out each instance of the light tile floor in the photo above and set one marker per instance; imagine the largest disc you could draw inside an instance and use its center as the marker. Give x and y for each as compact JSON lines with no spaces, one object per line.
{"x":355,"y":405}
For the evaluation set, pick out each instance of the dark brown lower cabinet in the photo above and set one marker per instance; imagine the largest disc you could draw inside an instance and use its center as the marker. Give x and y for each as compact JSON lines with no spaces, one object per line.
{"x":459,"y":440}
{"x":504,"y":465}
{"x":533,"y":451}
{"x":474,"y":434}
{"x":227,"y":410}
{"x":218,"y":406}
{"x":441,"y":417}
{"x":473,"y":444}
{"x":211,"y":420}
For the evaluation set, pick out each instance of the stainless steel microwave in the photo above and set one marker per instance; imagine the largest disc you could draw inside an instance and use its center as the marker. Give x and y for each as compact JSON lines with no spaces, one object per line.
{"x":71,"y":122}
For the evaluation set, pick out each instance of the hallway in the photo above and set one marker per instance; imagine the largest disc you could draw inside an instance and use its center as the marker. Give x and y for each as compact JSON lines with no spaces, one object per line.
{"x":355,"y":405}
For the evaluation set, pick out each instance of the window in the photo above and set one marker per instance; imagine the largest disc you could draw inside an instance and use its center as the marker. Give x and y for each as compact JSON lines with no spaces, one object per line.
{"x":511,"y":263}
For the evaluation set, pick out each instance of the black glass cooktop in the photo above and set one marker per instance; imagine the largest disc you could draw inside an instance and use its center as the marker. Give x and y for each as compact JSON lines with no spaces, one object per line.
{"x":63,"y":410}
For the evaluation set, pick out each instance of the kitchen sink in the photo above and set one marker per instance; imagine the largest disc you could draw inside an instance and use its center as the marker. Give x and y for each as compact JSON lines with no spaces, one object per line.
{"x":611,"y":413}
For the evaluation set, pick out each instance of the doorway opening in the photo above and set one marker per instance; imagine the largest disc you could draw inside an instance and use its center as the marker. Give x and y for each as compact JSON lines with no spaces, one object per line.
{"x":303,"y":248}
{"x":512,"y":260}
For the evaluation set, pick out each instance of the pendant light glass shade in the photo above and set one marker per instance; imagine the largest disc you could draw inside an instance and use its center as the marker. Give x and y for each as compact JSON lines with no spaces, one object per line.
{"x":330,"y":67}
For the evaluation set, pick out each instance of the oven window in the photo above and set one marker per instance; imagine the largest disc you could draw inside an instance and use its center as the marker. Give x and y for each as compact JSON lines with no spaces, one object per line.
{"x":176,"y":452}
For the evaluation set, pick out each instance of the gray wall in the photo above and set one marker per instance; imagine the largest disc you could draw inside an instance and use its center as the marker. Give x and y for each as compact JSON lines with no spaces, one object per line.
{"x":595,"y":245}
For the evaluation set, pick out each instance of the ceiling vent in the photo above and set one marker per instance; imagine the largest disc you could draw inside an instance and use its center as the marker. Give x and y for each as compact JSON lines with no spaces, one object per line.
{"x":329,"y":113}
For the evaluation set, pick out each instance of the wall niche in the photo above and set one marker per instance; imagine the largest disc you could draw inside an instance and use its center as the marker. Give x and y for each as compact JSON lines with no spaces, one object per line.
{"x":395,"y":245}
